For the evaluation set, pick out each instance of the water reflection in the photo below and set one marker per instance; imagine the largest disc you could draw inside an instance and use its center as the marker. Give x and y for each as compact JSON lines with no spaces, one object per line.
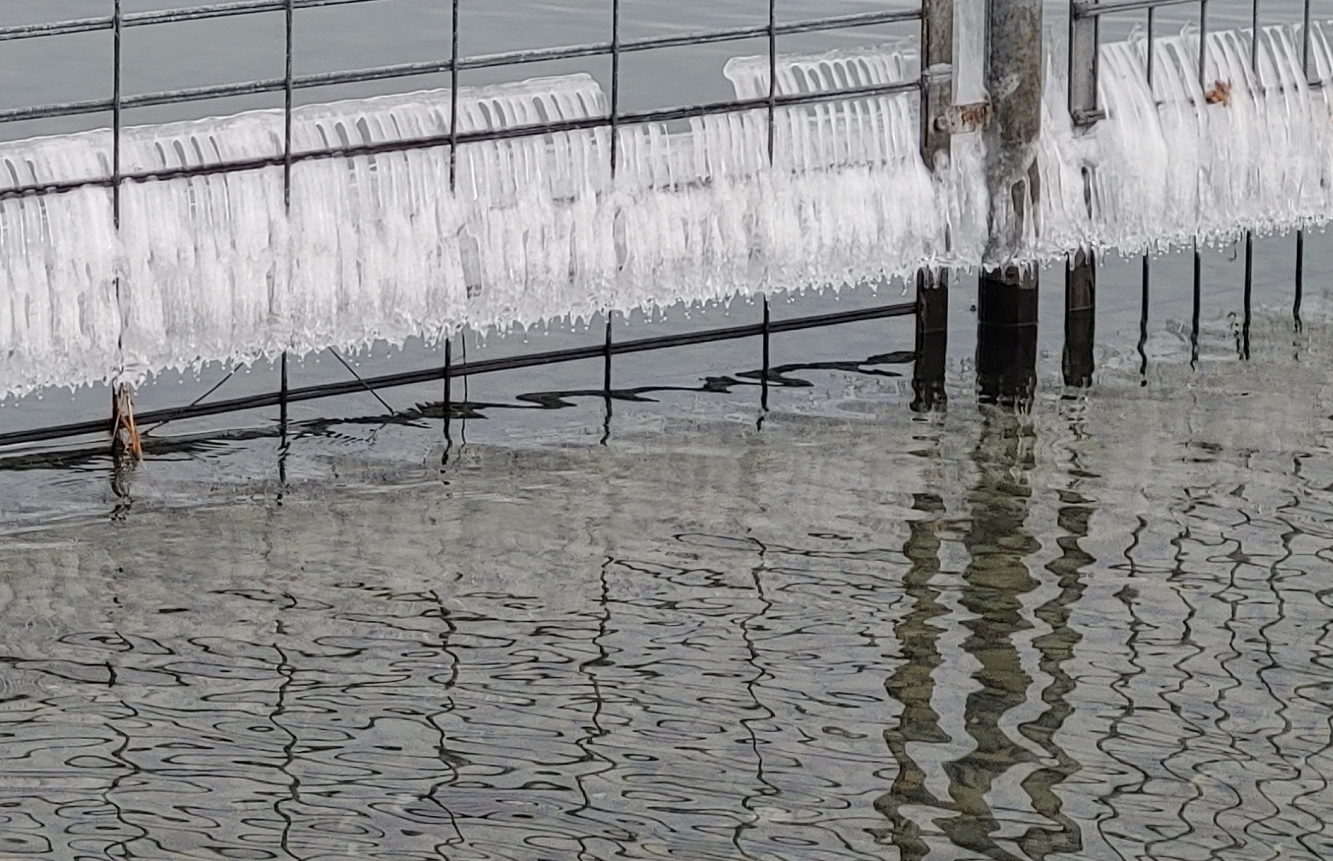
{"x":1053,"y":635}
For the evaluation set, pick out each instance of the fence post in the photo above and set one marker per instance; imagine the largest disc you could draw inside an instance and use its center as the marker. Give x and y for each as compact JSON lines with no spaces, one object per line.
{"x":932,"y":285}
{"x":1080,"y":319}
{"x":1081,"y":271}
{"x":1007,"y":292}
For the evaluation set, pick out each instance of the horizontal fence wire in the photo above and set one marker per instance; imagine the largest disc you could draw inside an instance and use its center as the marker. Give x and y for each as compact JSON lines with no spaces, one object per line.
{"x":462,"y":138}
{"x":451,"y":66}
{"x":465,"y":369}
{"x":166,"y":16}
{"x":484,"y":61}
{"x":1093,"y":8}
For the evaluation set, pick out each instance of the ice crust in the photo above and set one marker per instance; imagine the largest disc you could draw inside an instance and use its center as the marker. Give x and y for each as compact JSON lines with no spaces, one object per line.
{"x":377,"y":248}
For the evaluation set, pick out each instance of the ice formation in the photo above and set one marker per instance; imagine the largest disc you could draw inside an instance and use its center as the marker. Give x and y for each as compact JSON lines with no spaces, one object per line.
{"x":378,"y":248}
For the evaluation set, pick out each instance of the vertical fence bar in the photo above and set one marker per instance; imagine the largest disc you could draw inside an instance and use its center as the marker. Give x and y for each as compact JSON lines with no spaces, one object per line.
{"x":606,"y":380}
{"x":763,"y":380}
{"x":1300,"y":278}
{"x":448,"y":391}
{"x":290,"y":14}
{"x":282,"y":424}
{"x":453,"y":100}
{"x":1247,"y":310}
{"x":287,"y":112}
{"x":932,"y":285}
{"x":1203,"y":42}
{"x":1143,"y":321}
{"x":124,"y":434}
{"x":1152,"y":50}
{"x":772,"y":81}
{"x":1198,"y":256}
{"x":1300,"y":234}
{"x":116,"y":115}
{"x":1147,"y":259}
{"x":615,"y":88}
{"x":1305,"y":41}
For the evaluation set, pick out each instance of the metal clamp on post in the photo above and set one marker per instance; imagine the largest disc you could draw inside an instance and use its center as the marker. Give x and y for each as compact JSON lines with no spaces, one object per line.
{"x":1084,"y":26}
{"x":937,"y":93}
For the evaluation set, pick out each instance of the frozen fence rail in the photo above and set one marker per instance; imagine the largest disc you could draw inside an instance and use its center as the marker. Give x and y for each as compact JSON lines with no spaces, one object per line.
{"x":138,"y":249}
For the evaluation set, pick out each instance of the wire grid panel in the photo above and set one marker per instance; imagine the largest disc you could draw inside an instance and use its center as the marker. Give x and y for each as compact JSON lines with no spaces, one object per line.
{"x":118,"y":21}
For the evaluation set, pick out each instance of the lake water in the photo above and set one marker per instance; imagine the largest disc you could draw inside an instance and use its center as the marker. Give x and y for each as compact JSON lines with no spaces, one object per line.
{"x":681,"y":625}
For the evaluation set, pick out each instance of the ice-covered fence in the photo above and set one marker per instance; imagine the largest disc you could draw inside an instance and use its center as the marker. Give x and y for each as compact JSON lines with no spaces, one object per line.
{"x":1196,"y":152}
{"x":405,"y":225}
{"x":379,"y":248}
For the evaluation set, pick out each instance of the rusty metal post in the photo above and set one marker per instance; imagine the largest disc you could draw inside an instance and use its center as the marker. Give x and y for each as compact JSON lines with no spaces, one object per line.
{"x":932,"y":285}
{"x":1007,"y":292}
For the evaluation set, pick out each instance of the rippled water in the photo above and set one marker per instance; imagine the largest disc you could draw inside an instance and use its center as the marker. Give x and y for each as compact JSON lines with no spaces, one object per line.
{"x":1103,"y":630}
{"x":1098,"y":631}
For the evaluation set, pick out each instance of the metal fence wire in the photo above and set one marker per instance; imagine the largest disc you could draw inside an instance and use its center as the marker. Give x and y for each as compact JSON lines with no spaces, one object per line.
{"x":933,"y":87}
{"x":119,"y":102}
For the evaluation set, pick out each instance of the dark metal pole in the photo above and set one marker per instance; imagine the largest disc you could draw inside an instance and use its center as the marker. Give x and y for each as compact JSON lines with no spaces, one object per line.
{"x":1143,"y":321}
{"x":448,"y":409}
{"x":1300,"y":278}
{"x":606,"y":380}
{"x":1147,"y":260}
{"x":615,"y":88}
{"x":1081,"y":267}
{"x":282,"y":424}
{"x":763,"y":380}
{"x":1080,"y":319}
{"x":1198,"y":257}
{"x":1249,"y":234}
{"x":932,"y":341}
{"x":1007,"y":292}
{"x":453,"y":102}
{"x":287,"y":113}
{"x":772,"y":83}
{"x":1249,"y":287}
{"x":932,"y":285}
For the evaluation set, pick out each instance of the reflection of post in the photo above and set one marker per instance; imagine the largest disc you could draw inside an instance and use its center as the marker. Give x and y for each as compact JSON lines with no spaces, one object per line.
{"x":1080,"y":318}
{"x":913,"y":685}
{"x":1007,"y":337}
{"x":1007,"y":300}
{"x":932,"y":286}
{"x":994,"y":587}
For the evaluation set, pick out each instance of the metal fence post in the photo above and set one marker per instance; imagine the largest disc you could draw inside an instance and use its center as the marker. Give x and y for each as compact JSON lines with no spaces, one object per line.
{"x":1007,"y":292}
{"x":1081,"y":267}
{"x":124,"y":432}
{"x":1083,"y":40}
{"x":932,"y":285}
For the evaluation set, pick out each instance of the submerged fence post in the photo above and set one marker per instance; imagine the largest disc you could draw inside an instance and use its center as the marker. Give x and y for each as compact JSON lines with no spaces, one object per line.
{"x":932,"y":285}
{"x":1007,"y":291}
{"x":1081,"y":271}
{"x":1080,"y":319}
